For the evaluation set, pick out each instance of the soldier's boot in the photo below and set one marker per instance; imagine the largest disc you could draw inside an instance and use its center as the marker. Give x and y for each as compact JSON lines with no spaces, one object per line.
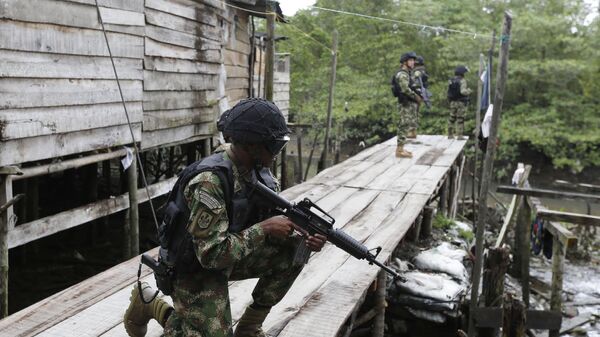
{"x":459,"y":131}
{"x":450,"y":132}
{"x":402,"y":153}
{"x":250,"y":324}
{"x":138,"y":314}
{"x":412,"y":134}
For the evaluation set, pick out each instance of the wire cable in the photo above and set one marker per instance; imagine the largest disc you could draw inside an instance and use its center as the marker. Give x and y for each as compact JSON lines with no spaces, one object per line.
{"x":437,"y":28}
{"x":137,"y":152}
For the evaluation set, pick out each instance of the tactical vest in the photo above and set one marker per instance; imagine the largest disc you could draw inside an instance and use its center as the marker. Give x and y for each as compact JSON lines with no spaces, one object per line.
{"x":176,"y":244}
{"x":397,"y":90}
{"x":454,"y":90}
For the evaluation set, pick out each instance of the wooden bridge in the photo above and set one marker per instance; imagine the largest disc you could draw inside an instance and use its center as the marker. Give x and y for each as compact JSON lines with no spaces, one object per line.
{"x":374,"y":196}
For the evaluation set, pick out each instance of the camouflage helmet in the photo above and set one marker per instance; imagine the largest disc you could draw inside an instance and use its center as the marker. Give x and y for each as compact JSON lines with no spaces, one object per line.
{"x":419,"y":60}
{"x":461,"y":70}
{"x":406,"y":56}
{"x":255,"y":121}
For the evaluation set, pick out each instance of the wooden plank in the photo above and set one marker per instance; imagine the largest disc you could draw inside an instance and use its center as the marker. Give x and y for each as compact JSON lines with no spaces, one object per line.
{"x":429,"y":181}
{"x":513,"y":208}
{"x":164,"y":119}
{"x":130,"y":5}
{"x":237,"y":71}
{"x":51,"y":11}
{"x":180,"y":66}
{"x":181,"y":39}
{"x":450,"y":153}
{"x":322,"y":265}
{"x":51,"y":146}
{"x":61,"y":92}
{"x":165,"y":100}
{"x":545,"y":193}
{"x":192,"y":10}
{"x":184,"y":25}
{"x":56,"y":308}
{"x":576,"y":218}
{"x":564,"y":235}
{"x":122,"y":17}
{"x":236,"y":83}
{"x":52,"y":224}
{"x":33,"y":122}
{"x":39,"y":37}
{"x":234,"y":58}
{"x":154,"y":48}
{"x":330,"y":306}
{"x":535,"y":319}
{"x":165,"y":136}
{"x":162,"y":81}
{"x":42,"y":65}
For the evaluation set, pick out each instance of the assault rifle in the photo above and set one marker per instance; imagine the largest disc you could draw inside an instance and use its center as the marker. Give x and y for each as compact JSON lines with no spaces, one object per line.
{"x":314,"y":220}
{"x":424,"y":93}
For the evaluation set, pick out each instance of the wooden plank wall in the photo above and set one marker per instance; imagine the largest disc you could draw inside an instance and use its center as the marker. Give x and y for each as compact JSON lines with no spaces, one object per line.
{"x":281,"y":77}
{"x":181,"y":64}
{"x":57,"y":84}
{"x":182,"y":68}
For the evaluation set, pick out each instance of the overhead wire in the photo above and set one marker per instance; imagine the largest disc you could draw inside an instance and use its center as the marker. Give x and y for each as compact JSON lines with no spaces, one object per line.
{"x":135,"y":147}
{"x":424,"y":26}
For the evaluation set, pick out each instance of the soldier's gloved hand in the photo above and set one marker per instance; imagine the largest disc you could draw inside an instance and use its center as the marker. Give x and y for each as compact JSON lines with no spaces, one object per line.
{"x":316,"y":242}
{"x":277,"y":226}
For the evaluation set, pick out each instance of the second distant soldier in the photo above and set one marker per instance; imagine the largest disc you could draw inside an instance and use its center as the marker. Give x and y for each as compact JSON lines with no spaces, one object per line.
{"x":458,"y":95}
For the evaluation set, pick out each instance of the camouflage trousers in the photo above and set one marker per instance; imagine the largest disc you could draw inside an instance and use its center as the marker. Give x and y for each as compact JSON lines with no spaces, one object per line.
{"x":201,"y":300}
{"x":456,"y":121}
{"x":409,"y":120}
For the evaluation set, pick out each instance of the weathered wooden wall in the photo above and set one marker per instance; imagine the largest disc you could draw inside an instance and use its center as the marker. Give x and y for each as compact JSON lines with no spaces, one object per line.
{"x":180,"y":62}
{"x":58,"y":95}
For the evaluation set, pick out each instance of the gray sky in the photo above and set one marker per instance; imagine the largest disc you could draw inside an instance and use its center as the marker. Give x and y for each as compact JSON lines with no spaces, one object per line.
{"x":290,"y":7}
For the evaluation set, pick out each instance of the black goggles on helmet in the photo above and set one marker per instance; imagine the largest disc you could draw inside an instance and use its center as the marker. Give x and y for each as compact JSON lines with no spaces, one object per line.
{"x":275,"y":146}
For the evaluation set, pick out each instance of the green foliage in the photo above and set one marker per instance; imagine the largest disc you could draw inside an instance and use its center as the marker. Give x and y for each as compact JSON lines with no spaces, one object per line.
{"x":551,"y":104}
{"x":441,"y":222}
{"x":467,"y":235}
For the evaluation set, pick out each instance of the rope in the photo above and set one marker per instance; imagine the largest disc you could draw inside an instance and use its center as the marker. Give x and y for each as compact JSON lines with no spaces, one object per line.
{"x":137,"y":152}
{"x":437,"y":28}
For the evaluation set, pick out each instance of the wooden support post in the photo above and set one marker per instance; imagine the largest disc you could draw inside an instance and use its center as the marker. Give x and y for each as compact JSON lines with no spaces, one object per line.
{"x":513,"y":322}
{"x":270,"y":52}
{"x":284,"y":169}
{"x":512,"y":209}
{"x":496,"y":265}
{"x":190,"y":150}
{"x":380,"y":304}
{"x":171,"y":163}
{"x":106,"y":175}
{"x":458,"y":182}
{"x":206,"y":148}
{"x":414,"y":232}
{"x":310,"y":156}
{"x":451,"y":190}
{"x":133,"y":208}
{"x":443,"y":202}
{"x":558,"y":259}
{"x":426,"y":223}
{"x":299,"y":177}
{"x":6,"y":224}
{"x":524,"y":228}
{"x":323,"y":161}
{"x":487,"y":172}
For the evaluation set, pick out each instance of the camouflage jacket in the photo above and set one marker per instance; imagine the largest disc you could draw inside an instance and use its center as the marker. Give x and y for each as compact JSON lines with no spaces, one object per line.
{"x":404,"y":80}
{"x":215,"y":246}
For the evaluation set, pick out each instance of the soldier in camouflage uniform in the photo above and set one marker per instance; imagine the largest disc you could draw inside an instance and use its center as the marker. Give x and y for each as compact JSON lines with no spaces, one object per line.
{"x":264,"y":249}
{"x":408,"y":103}
{"x":421,"y":82}
{"x":458,"y":96}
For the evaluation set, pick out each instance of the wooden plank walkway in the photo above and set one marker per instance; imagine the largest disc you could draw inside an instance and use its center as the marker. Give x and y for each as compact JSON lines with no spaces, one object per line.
{"x":374,"y":196}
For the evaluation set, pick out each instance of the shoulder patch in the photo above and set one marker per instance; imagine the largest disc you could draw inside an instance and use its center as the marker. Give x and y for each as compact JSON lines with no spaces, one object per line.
{"x":208,"y":200}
